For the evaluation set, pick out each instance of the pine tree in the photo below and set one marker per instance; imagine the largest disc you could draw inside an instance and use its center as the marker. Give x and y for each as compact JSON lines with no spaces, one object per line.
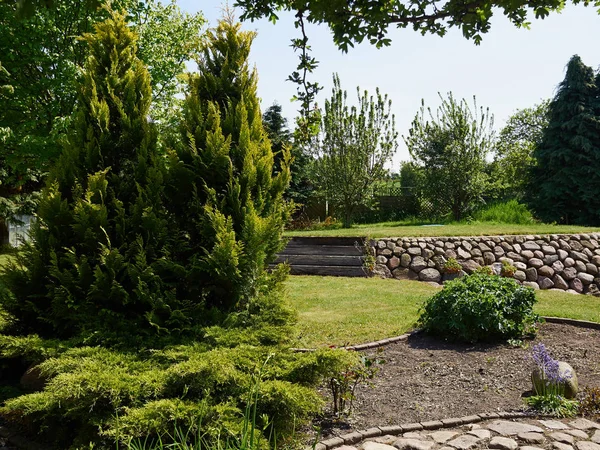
{"x":565,"y":184}
{"x":99,"y":259}
{"x":224,"y":191}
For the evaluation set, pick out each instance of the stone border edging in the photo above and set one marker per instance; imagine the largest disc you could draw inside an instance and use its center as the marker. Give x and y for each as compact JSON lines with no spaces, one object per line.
{"x":394,"y":430}
{"x":403,"y":337}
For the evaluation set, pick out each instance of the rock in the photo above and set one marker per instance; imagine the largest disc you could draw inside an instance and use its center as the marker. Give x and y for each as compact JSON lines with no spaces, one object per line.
{"x":527,"y":254}
{"x":497,"y":268}
{"x":561,"y":446}
{"x":531,"y":273}
{"x":576,"y":285}
{"x":578,"y":434}
{"x":489,"y":258}
{"x":449,"y":245}
{"x":566,"y":372}
{"x":520,"y":275}
{"x":450,"y":253}
{"x":575,"y":245}
{"x":370,"y":445}
{"x":585,"y":278}
{"x":463,"y":254}
{"x":554,"y":424}
{"x":569,"y":262}
{"x":591,"y":268}
{"x":569,"y":273}
{"x":481,"y":433}
{"x":531,"y":246}
{"x":469,"y":266}
{"x":427,"y":254}
{"x":539,"y":254}
{"x":430,"y":275}
{"x":596,"y":260}
{"x":498,"y":251}
{"x":593,"y":290}
{"x":381,"y":260}
{"x":413,"y":275}
{"x":584,"y":424}
{"x":548,"y":250}
{"x":476,"y":252}
{"x":442,"y":436}
{"x":535,"y":262}
{"x":405,"y":260}
{"x":506,"y":246}
{"x":562,"y":254}
{"x":381,"y":270}
{"x":550,"y":259}
{"x":466,"y":245}
{"x":386,"y":252}
{"x":578,"y":256}
{"x":529,"y":447}
{"x":532,"y":438}
{"x":558,"y":266}
{"x":562,"y":437}
{"x":393,"y":263}
{"x":515,"y":256}
{"x":346,"y":447}
{"x":413,"y":444}
{"x":531,"y":284}
{"x":484,"y":247}
{"x":587,"y":445}
{"x":507,"y":428}
{"x":503,"y":443}
{"x":560,"y":283}
{"x":563,"y":244}
{"x":418,"y":263}
{"x":464,"y":442}
{"x":414,"y":251}
{"x":595,"y":436}
{"x":400,"y":273}
{"x":546,"y":271}
{"x":545,"y":283}
{"x":580,"y":266}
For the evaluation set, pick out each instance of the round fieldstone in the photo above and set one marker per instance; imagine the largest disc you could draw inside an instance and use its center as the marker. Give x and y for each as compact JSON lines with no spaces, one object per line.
{"x":393,"y":263}
{"x":580,"y":266}
{"x":569,"y":273}
{"x":520,"y":265}
{"x":591,"y":268}
{"x":529,"y":245}
{"x":585,"y":278}
{"x":400,"y":273}
{"x":545,"y":283}
{"x":558,"y":266}
{"x":550,"y":259}
{"x":415,"y":251}
{"x":576,"y":285}
{"x":579,"y":256}
{"x":467,"y":245}
{"x":427,"y":253}
{"x":382,"y":271}
{"x":489,"y":258}
{"x":566,"y":373}
{"x":531,"y":284}
{"x":527,"y":254}
{"x":430,"y":274}
{"x":562,"y":254}
{"x":470,"y":266}
{"x":463,"y":254}
{"x":596,"y":260}
{"x":381,"y":260}
{"x":536,"y":262}
{"x":560,"y":283}
{"x":498,"y":251}
{"x":405,"y":260}
{"x":575,"y":245}
{"x":545,"y":271}
{"x":569,"y":262}
{"x":520,"y":275}
{"x":531,"y":273}
{"x":538,"y":254}
{"x":548,"y":249}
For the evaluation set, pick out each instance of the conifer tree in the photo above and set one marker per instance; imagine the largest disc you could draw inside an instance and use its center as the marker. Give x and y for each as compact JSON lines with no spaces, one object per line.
{"x":224,"y":191}
{"x":565,"y":185}
{"x":99,"y":259}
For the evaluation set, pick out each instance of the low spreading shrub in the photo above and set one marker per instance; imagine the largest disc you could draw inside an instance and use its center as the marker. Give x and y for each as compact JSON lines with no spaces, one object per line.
{"x":589,"y":406}
{"x":480,"y":308}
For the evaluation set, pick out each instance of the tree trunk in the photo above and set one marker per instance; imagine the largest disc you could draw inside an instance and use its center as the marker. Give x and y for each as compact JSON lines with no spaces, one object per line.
{"x":3,"y":232}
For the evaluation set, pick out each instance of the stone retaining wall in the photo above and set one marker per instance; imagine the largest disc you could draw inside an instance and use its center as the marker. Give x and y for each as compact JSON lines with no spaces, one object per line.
{"x":567,"y":262}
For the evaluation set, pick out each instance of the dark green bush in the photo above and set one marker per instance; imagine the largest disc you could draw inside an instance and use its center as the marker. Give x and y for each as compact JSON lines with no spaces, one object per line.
{"x":480,"y":307}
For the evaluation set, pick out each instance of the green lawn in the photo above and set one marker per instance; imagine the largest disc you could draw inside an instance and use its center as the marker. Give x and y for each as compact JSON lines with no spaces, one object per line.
{"x":339,"y":311}
{"x":398,"y":229}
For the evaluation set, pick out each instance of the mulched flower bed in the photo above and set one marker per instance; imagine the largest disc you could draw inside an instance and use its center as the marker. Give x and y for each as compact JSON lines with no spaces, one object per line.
{"x":424,"y":378}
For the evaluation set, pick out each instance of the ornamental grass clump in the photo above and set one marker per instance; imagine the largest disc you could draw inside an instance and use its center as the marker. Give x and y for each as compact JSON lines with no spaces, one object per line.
{"x":480,"y":307}
{"x":551,"y":383}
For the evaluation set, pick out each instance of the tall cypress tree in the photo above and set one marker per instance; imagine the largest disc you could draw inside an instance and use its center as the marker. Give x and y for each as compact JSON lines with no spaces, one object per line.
{"x":99,"y":259}
{"x":223,"y":188}
{"x":565,"y":185}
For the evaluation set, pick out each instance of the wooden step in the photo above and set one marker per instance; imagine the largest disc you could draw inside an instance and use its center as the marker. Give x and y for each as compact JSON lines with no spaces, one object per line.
{"x":320,"y":260}
{"x":335,"y":271}
{"x":332,"y":250}
{"x":336,"y":241}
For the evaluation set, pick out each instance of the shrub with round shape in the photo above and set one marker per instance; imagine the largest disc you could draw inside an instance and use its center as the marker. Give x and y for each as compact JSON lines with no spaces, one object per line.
{"x":480,"y":308}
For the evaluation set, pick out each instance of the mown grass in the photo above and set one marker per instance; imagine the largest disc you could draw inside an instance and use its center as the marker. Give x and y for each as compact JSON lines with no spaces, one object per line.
{"x":399,"y":229}
{"x":341,"y":311}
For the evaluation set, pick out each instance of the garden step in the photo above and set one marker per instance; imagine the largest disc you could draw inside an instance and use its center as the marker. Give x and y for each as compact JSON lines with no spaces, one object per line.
{"x":337,"y":241}
{"x":335,"y":271}
{"x":320,"y":260}
{"x":332,"y":250}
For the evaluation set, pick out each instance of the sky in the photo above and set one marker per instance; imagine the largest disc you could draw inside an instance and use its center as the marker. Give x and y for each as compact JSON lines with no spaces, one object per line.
{"x":512,"y":68}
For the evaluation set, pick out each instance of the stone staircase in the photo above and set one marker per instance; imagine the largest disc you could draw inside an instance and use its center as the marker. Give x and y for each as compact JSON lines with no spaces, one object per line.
{"x":332,"y":256}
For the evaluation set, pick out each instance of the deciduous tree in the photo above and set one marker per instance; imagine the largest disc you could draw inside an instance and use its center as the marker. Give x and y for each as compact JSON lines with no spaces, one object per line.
{"x":353,"y":148}
{"x":451,"y":147}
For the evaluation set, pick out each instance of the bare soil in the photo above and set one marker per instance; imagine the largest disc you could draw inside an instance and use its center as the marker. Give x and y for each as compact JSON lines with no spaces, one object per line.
{"x":424,"y":378}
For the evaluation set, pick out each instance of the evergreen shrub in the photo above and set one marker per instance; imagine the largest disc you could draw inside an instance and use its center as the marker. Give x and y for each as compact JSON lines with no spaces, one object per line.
{"x":480,"y":307}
